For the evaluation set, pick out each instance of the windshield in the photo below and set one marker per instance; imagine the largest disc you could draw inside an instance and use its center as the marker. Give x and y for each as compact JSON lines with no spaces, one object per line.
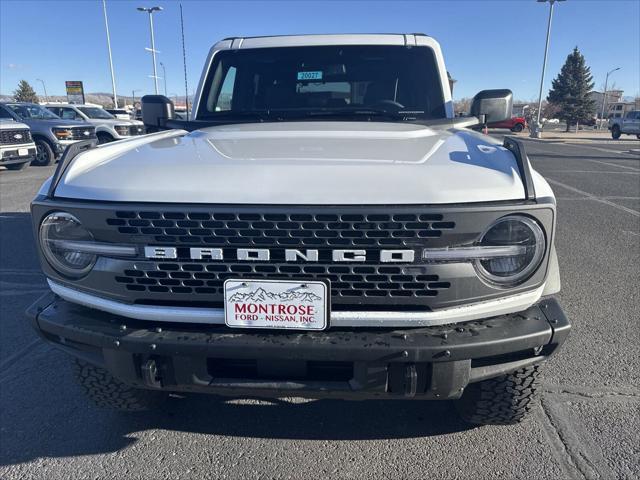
{"x":95,"y":112}
{"x":31,"y":110}
{"x":344,"y":82}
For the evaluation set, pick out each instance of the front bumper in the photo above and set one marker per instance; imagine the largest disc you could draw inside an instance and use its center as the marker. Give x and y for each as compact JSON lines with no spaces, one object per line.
{"x":12,"y":154}
{"x":424,"y":363}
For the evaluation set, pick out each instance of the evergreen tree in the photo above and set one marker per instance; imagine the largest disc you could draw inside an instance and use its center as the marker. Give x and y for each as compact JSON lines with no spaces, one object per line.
{"x":570,"y":90}
{"x":25,"y":93}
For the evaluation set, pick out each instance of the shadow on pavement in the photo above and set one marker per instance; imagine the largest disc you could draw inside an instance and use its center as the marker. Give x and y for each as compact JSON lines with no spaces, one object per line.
{"x":94,"y":431}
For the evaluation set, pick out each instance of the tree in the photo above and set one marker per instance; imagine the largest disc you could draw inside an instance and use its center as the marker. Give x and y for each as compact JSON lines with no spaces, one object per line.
{"x":570,"y":90}
{"x":25,"y":93}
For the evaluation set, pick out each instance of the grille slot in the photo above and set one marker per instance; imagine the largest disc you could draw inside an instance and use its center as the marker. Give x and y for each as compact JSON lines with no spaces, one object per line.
{"x":287,"y":230}
{"x":7,"y":137}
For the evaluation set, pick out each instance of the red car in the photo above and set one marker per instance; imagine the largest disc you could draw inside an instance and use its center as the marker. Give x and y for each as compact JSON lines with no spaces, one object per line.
{"x":515,"y":124}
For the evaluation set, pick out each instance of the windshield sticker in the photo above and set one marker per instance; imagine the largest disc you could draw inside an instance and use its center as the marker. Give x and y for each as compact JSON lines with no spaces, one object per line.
{"x":309,"y":75}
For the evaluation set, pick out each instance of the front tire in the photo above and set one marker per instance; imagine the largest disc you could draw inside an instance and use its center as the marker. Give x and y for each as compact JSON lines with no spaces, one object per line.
{"x":615,"y":132}
{"x":518,"y":127}
{"x":105,"y":391}
{"x":17,"y":166}
{"x":504,"y":400}
{"x":44,"y":154}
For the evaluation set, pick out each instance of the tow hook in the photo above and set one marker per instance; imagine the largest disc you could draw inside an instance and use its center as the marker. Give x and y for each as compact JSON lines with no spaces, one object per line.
{"x":150,"y":375}
{"x":411,"y":381}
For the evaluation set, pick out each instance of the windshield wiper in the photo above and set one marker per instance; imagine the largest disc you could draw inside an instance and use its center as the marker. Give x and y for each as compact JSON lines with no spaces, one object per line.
{"x":364,"y":112}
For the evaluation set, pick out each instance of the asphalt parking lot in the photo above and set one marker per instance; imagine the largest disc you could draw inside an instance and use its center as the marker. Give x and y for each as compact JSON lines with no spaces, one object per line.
{"x":587,"y":425}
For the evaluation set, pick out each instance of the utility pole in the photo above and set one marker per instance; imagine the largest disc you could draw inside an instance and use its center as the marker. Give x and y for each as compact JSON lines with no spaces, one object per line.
{"x":604,"y":96}
{"x":153,"y":42}
{"x":164,"y":75}
{"x":113,"y":77}
{"x":184,"y":62}
{"x":133,"y":100}
{"x":44,"y":87}
{"x":536,"y":130}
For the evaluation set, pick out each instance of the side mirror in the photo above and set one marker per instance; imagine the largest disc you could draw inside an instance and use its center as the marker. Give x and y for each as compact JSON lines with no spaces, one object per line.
{"x":492,"y":105}
{"x":156,"y":110}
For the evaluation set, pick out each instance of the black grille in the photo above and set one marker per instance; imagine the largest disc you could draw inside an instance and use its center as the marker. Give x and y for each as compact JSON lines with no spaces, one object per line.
{"x":79,"y":133}
{"x":8,"y":137}
{"x":136,"y":130}
{"x":280,"y":229}
{"x":370,"y":283}
{"x":349,"y":283}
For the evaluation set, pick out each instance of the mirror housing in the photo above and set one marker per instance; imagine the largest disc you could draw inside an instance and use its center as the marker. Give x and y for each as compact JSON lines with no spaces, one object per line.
{"x":492,"y":105}
{"x":156,"y":110}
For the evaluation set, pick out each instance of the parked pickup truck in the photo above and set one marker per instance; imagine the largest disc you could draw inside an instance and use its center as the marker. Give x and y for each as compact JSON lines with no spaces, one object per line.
{"x":17,"y":149}
{"x":629,"y":125}
{"x":321,"y":226}
{"x":50,"y":133}
{"x":108,"y":127}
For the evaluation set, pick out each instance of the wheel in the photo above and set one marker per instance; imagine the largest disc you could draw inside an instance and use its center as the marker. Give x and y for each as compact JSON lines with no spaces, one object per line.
{"x":106,"y":391}
{"x":615,"y":132}
{"x":104,"y":138}
{"x":44,"y":154}
{"x":503,"y":400}
{"x":17,"y":166}
{"x":518,"y":127}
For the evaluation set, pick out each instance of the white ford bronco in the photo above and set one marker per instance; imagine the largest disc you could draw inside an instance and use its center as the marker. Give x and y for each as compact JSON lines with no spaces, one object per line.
{"x":321,"y":226}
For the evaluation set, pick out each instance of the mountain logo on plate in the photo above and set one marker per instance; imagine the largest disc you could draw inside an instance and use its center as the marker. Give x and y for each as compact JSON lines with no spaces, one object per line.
{"x":261,"y":295}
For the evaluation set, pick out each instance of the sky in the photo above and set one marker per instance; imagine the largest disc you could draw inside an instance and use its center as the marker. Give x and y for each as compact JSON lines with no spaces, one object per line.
{"x":486,"y":44}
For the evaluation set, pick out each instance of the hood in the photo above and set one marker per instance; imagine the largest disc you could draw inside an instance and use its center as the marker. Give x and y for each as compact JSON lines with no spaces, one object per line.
{"x":8,"y":124}
{"x":112,"y":121}
{"x":314,"y":163}
{"x":55,"y":122}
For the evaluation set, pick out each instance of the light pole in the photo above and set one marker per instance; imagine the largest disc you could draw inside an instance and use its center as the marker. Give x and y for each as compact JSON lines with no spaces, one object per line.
{"x":164,"y":75}
{"x":604,"y":96}
{"x":535,"y":131}
{"x":133,"y":99}
{"x":44,"y":87}
{"x":153,"y":42}
{"x":113,"y":77}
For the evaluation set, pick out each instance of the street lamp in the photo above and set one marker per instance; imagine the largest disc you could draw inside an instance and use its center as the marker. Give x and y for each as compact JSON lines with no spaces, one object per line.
{"x":164,"y":75}
{"x":604,"y":96}
{"x":44,"y":87}
{"x":535,"y":131}
{"x":113,"y":77}
{"x":153,"y":42}
{"x":133,"y":99}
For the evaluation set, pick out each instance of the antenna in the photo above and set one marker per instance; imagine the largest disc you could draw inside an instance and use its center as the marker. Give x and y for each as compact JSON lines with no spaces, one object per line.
{"x":184,"y":61}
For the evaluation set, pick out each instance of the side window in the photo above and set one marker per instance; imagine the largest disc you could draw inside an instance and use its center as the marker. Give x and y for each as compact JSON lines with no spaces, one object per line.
{"x":68,"y":114}
{"x":54,"y":110}
{"x":225,"y":97}
{"x":4,"y":113}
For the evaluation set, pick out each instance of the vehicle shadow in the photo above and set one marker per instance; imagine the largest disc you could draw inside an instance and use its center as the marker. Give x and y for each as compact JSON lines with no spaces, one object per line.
{"x":98,"y":432}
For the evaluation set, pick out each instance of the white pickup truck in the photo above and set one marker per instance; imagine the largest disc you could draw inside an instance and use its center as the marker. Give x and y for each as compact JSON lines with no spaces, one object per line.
{"x":321,"y":226}
{"x":628,"y":125}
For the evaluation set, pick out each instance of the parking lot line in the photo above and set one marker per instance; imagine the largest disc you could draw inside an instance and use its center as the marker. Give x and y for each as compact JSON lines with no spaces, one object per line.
{"x":601,"y":162}
{"x":594,"y":197}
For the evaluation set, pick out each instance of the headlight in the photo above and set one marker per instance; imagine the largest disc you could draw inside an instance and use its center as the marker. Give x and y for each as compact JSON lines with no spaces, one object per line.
{"x":62,"y":133}
{"x":59,"y":232}
{"x":122,"y":129}
{"x":512,"y":231}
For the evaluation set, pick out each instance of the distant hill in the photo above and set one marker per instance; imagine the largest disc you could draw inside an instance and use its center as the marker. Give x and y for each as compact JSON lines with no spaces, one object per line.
{"x":98,"y":98}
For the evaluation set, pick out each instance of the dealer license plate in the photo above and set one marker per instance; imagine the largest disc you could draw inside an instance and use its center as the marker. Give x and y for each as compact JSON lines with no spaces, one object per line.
{"x":294,"y":305}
